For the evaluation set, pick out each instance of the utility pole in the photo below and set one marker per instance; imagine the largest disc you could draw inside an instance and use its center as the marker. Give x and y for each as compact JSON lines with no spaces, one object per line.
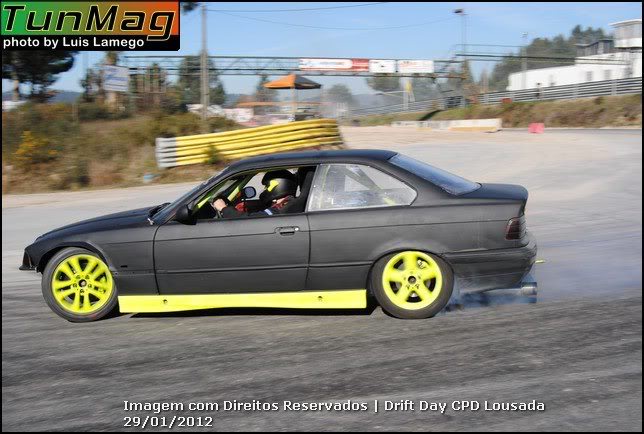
{"x":524,"y":61}
{"x":205,"y":85}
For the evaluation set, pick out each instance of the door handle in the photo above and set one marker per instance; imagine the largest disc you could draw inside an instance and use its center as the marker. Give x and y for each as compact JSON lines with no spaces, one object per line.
{"x":287,"y":230}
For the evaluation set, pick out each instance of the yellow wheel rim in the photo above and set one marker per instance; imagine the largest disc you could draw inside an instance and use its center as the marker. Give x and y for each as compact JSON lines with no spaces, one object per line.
{"x":82,"y":284}
{"x":412,"y":280}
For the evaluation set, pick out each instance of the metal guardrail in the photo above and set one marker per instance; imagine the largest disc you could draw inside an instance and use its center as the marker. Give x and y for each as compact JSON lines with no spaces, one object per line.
{"x":181,"y":151}
{"x":428,"y":105}
{"x":624,"y":86}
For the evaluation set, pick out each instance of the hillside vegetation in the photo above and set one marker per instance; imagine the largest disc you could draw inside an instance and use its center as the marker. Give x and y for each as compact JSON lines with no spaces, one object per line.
{"x":603,"y":111}
{"x":48,"y":147}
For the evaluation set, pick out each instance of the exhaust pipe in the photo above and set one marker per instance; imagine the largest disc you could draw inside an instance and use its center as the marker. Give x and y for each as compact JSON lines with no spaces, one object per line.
{"x":528,"y":288}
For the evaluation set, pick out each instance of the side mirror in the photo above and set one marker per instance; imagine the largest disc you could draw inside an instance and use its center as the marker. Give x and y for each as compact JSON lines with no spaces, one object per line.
{"x":249,"y":192}
{"x":184,"y":216}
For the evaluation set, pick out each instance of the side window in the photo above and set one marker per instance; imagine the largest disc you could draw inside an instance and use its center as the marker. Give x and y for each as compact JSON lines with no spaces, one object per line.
{"x":347,"y":186}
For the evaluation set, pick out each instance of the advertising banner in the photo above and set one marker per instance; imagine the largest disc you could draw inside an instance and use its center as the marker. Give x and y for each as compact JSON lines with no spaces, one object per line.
{"x":382,"y":66}
{"x":360,"y":65}
{"x":356,"y":65}
{"x":415,"y":66}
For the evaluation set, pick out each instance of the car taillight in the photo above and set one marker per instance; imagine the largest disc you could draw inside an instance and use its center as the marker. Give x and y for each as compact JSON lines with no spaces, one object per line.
{"x":514,"y":229}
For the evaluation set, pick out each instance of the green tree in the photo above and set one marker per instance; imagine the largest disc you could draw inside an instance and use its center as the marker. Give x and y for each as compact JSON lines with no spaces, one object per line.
{"x":484,"y":81}
{"x":153,"y":90}
{"x":10,"y":67}
{"x":262,"y":93}
{"x":470,"y":87}
{"x":39,"y":69}
{"x":340,"y":93}
{"x":424,"y":88}
{"x":384,"y":83}
{"x":112,"y":57}
{"x":190,"y":81}
{"x":559,"y":46}
{"x":90,"y":85}
{"x":189,"y":6}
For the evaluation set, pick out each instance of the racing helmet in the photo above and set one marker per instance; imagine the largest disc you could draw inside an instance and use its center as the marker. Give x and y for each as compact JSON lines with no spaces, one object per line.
{"x":278,"y":185}
{"x":279,"y":173}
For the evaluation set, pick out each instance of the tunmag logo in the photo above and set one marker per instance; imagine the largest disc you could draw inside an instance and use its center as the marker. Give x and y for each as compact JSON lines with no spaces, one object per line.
{"x":95,"y":25}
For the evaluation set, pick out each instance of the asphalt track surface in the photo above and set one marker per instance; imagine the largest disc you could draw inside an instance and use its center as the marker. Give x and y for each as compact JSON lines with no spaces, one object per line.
{"x":577,"y":347}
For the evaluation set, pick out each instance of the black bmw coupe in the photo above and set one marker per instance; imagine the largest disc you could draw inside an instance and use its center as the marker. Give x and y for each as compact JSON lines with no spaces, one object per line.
{"x":361,"y":223}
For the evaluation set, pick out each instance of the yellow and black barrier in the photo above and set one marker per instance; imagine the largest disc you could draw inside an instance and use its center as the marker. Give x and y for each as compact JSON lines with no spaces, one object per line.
{"x":229,"y":145}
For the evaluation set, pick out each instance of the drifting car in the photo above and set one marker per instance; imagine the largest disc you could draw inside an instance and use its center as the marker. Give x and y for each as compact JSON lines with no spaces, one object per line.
{"x":363,"y":224}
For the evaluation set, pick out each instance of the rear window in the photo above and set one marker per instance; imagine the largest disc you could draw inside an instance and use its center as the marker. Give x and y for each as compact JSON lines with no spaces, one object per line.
{"x":447,"y":181}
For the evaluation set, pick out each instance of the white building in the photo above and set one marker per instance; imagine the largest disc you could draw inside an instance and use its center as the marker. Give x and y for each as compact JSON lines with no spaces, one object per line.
{"x":625,"y":50}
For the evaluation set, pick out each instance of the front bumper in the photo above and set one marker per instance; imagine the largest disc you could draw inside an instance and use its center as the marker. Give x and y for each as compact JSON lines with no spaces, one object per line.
{"x":494,"y":269}
{"x":27,"y":264}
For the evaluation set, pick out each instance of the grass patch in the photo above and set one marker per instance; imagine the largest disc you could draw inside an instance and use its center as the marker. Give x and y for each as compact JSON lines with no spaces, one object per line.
{"x":603,"y":111}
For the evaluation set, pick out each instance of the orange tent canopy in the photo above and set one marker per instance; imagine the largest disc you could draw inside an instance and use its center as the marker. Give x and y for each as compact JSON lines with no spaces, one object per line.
{"x":292,"y":81}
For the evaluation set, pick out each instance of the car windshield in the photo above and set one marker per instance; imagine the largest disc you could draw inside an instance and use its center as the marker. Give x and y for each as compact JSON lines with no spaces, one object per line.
{"x":161,"y":213}
{"x":447,"y":181}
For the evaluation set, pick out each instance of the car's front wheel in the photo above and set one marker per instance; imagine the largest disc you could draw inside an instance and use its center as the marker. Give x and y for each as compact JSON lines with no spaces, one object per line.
{"x":412,"y":284}
{"x":77,"y":285}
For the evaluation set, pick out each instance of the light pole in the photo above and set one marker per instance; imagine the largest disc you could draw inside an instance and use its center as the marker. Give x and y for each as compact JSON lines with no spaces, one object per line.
{"x":205,"y":87}
{"x":462,"y":13}
{"x":524,"y":60}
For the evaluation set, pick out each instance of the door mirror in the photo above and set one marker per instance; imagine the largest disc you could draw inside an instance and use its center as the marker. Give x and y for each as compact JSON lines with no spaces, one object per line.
{"x":184,"y":216}
{"x":249,"y":192}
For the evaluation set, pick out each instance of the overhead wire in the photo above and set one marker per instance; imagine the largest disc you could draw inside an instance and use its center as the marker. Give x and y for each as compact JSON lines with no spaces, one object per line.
{"x":299,"y":9}
{"x":425,"y":23}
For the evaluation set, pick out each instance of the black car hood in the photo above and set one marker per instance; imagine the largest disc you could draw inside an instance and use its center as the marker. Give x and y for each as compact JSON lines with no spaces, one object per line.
{"x":110,"y":221}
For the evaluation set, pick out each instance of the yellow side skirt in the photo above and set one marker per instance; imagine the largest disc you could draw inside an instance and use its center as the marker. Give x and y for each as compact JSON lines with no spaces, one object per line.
{"x":345,"y":299}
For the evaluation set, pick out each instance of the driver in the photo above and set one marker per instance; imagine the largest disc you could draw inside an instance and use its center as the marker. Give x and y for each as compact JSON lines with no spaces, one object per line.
{"x":279,"y":190}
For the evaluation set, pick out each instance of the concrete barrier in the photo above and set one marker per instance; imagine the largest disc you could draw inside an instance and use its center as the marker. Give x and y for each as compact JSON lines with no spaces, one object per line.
{"x":486,"y":125}
{"x":181,"y":151}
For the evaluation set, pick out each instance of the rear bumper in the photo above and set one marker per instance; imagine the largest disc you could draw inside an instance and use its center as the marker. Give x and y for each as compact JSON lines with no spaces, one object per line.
{"x":493,"y":269}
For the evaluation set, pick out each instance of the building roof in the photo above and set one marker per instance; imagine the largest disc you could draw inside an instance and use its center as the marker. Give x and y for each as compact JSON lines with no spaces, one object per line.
{"x":621,"y":23}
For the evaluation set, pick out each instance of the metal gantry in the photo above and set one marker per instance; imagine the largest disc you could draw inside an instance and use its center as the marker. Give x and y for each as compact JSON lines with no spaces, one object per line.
{"x":175,"y":65}
{"x":257,"y":65}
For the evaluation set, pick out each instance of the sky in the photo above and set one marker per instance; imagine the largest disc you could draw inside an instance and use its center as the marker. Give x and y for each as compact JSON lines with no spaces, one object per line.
{"x":434,"y":32}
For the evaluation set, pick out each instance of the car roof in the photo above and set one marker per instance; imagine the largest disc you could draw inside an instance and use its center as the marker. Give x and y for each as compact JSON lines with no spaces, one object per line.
{"x":313,"y":157}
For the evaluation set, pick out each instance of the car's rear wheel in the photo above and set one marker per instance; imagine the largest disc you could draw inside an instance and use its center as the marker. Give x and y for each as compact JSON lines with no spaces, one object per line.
{"x":412,"y":284}
{"x":78,"y":286}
